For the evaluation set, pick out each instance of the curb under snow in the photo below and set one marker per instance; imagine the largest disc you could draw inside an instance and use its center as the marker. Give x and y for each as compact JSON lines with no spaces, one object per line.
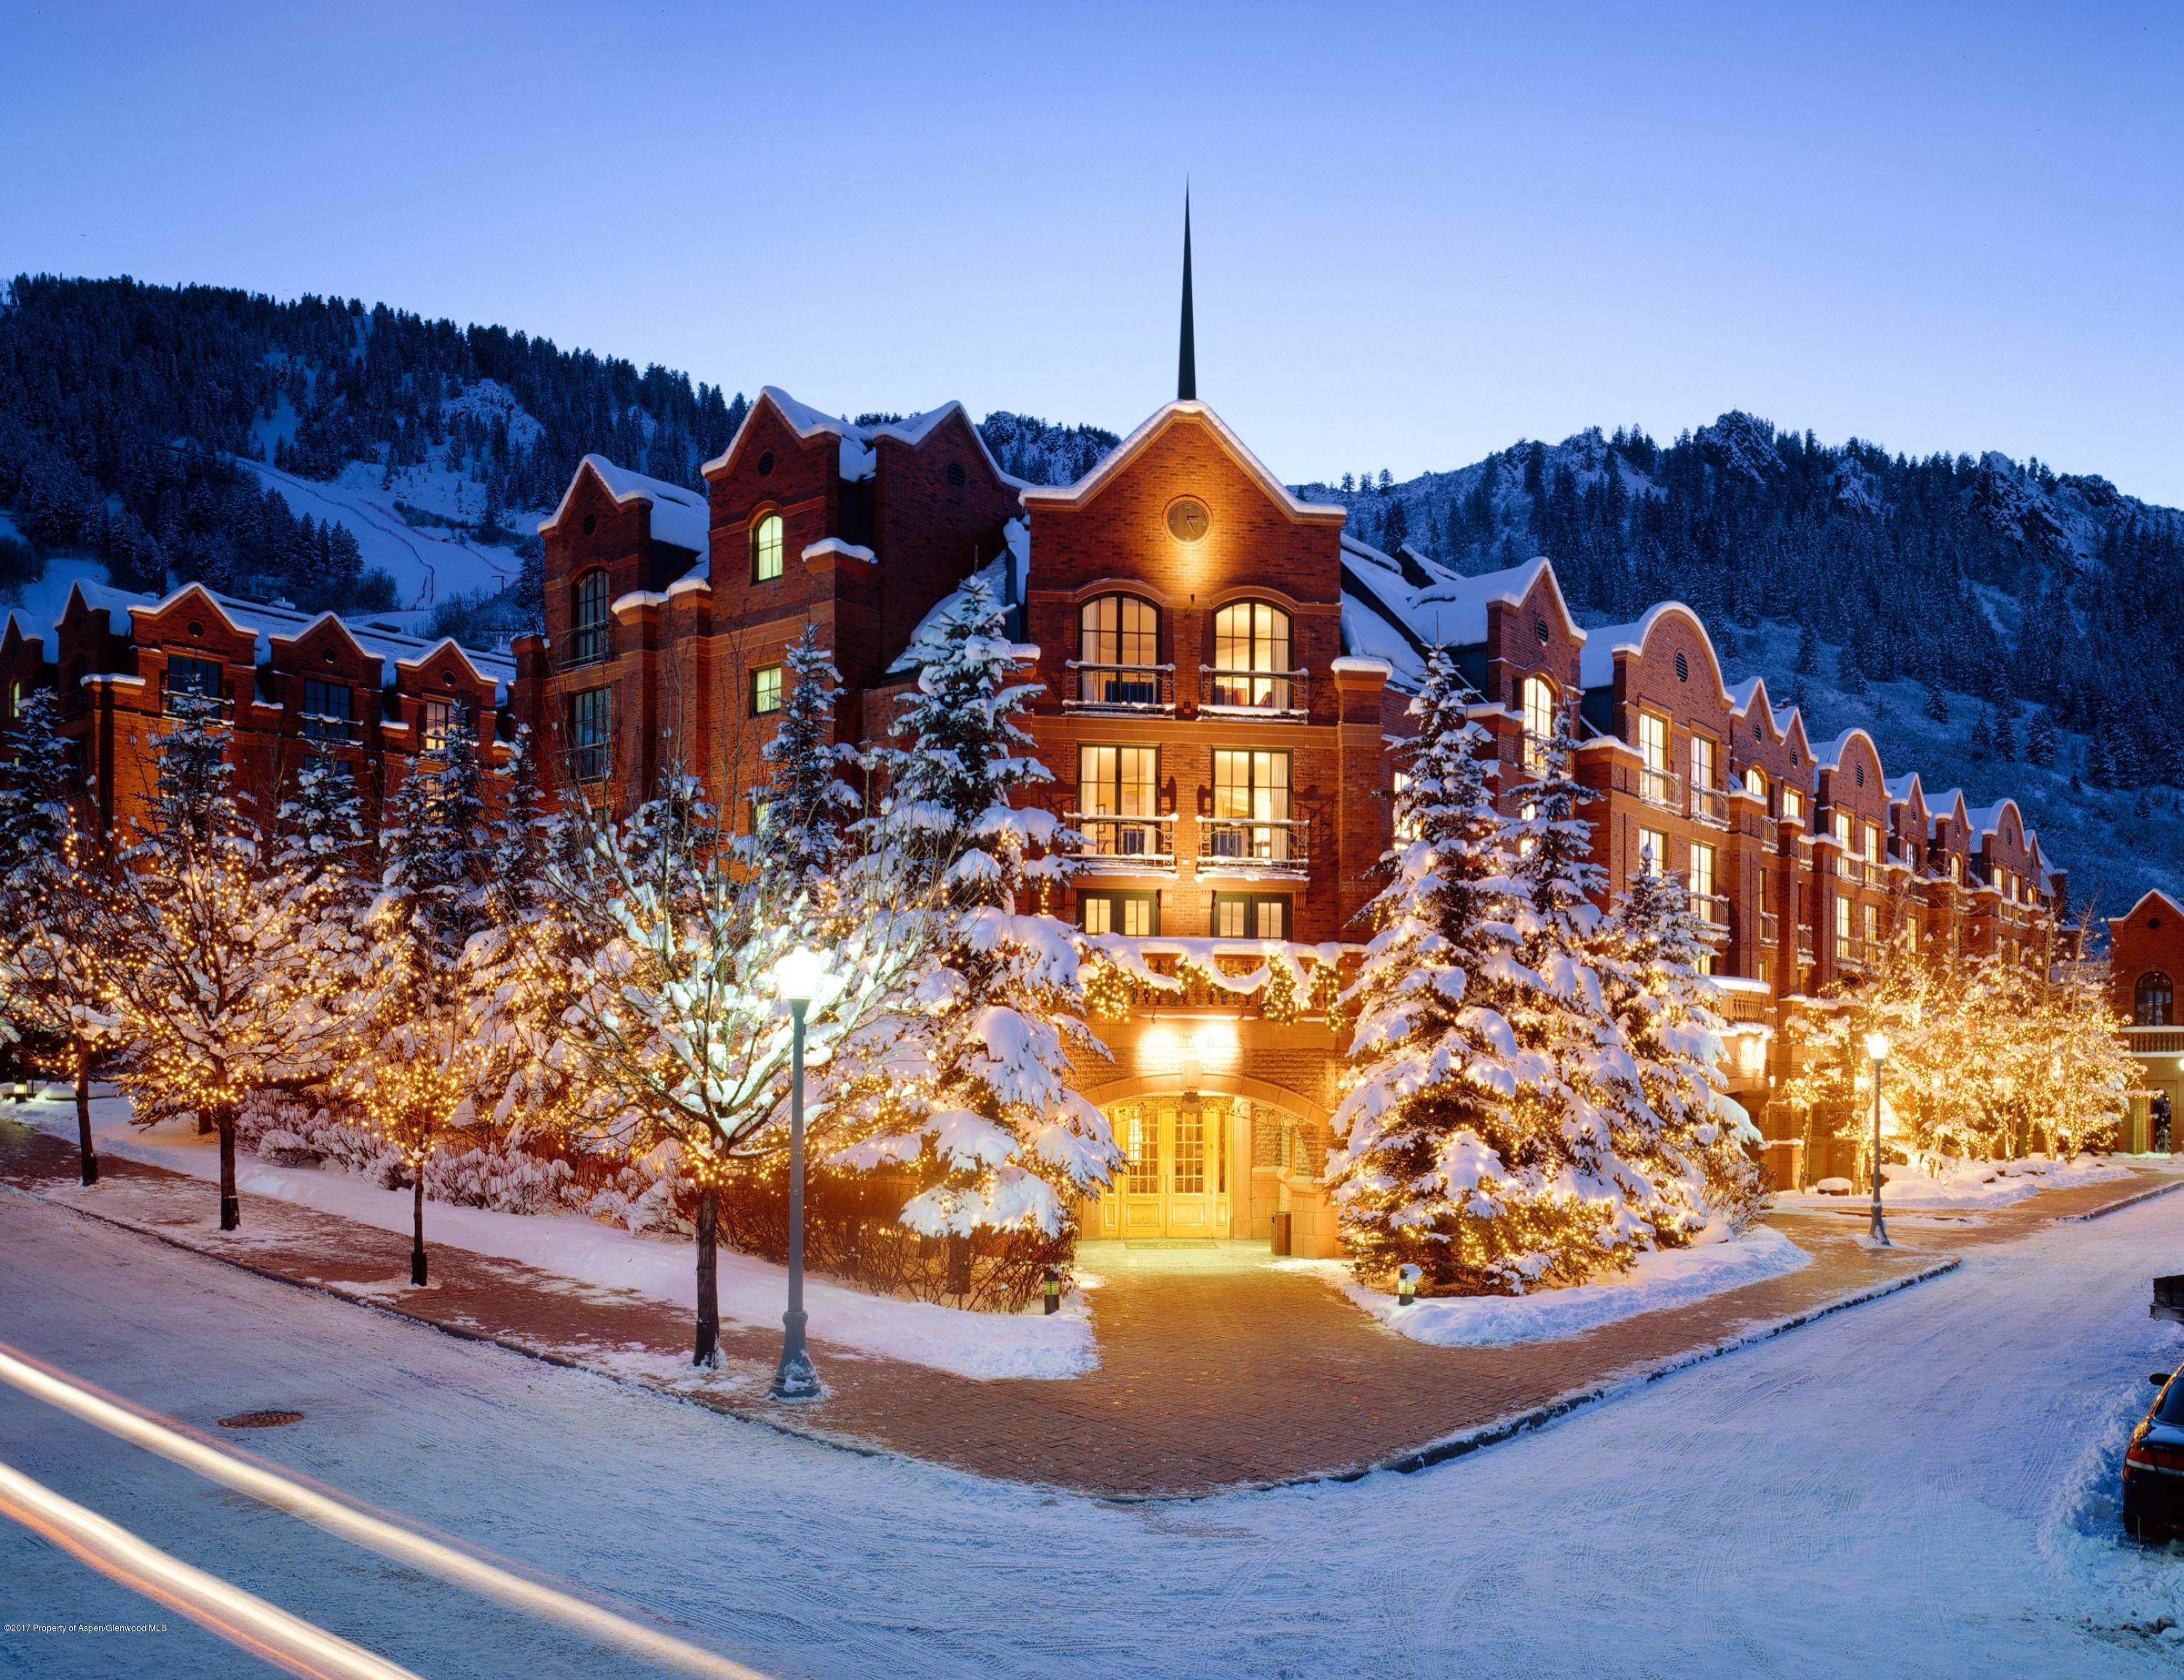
{"x":1406,"y":1462}
{"x":2145,"y":1195}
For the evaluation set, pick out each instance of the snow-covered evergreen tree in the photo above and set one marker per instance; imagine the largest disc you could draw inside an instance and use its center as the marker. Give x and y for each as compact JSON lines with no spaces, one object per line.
{"x":412,"y":1059}
{"x":208,"y":951}
{"x":1430,"y":1168}
{"x":1685,"y":1131}
{"x":971,"y":1092}
{"x":803,"y":804}
{"x":51,"y":904}
{"x":1588,"y":1201}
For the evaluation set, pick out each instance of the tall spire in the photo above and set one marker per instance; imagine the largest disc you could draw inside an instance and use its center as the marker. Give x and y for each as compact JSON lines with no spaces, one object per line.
{"x":1186,"y":369}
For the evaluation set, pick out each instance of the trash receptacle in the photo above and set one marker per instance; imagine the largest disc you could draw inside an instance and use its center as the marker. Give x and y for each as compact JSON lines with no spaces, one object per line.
{"x":1282,"y":1226}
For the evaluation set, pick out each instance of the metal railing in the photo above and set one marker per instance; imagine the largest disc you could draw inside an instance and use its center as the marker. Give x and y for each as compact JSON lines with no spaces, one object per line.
{"x":1662,"y":789}
{"x":1112,"y":841}
{"x":1711,"y":907}
{"x":328,"y":730}
{"x":196,"y":703}
{"x":588,"y":645}
{"x":589,"y":764}
{"x":1852,"y":951}
{"x":1805,"y":941}
{"x":1251,"y":843}
{"x":1710,"y":804}
{"x":1532,"y":753}
{"x":1269,"y":694}
{"x":1771,"y":929}
{"x":1120,"y":688}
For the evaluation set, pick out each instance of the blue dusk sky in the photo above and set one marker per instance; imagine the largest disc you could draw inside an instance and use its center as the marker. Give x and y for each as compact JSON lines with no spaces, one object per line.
{"x":1420,"y":235}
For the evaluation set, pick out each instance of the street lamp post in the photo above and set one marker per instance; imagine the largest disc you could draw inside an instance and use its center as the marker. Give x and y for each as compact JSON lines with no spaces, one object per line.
{"x":1876,"y":1048}
{"x":798,"y":975}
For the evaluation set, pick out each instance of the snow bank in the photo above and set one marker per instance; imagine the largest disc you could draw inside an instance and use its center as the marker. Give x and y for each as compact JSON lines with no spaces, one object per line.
{"x":1668,"y":1278}
{"x":1971,"y":1184}
{"x":753,"y":1292}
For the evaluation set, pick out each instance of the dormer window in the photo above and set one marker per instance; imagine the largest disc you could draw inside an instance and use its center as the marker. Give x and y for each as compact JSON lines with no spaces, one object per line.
{"x":765,"y":544}
{"x":587,"y":619}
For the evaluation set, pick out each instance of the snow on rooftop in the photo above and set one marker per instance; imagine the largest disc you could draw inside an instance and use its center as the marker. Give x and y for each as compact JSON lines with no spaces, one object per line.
{"x":1006,"y":576}
{"x":1449,"y":611}
{"x":680,"y":517}
{"x":268,"y":623}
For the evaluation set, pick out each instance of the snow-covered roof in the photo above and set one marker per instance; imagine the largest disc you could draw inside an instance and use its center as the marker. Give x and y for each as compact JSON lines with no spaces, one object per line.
{"x":268,"y":624}
{"x":2154,"y":896}
{"x":1901,"y":787}
{"x":680,"y":517}
{"x":1166,"y":415}
{"x":857,"y":458}
{"x":1987,"y":819}
{"x":1831,"y":756}
{"x":1596,"y":663}
{"x":1387,"y":614}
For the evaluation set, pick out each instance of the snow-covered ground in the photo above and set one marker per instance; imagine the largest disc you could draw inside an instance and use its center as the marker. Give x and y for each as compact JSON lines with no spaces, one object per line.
{"x":1921,"y":1486}
{"x":1971,"y":1184}
{"x":429,"y":564}
{"x":753,"y":1291}
{"x":1669,"y":1277}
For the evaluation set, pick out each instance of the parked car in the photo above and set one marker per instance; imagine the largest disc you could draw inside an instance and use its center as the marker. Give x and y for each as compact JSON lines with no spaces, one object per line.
{"x":2154,"y":1465}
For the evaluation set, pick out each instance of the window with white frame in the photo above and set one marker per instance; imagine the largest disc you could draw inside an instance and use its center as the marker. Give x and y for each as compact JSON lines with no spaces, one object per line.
{"x":766,"y":538}
{"x":1539,"y":698}
{"x":1652,"y":851}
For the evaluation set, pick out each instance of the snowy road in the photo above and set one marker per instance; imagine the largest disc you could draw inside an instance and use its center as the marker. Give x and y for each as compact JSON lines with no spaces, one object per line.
{"x":1893,"y":1490}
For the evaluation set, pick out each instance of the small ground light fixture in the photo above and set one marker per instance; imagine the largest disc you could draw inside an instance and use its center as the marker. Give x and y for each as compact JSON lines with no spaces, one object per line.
{"x":1406,"y":1285}
{"x":1053,"y":1288}
{"x":22,"y":1091}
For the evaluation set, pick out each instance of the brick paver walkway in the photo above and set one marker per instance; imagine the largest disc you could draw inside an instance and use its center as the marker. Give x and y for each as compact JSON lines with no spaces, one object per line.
{"x":1216,"y":1369}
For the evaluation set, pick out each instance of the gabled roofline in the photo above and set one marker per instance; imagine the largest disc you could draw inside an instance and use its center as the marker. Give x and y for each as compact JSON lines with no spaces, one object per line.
{"x":1631,"y":638}
{"x":553,"y":523}
{"x":1833,"y":758}
{"x":448,"y":644}
{"x":328,"y":616}
{"x":1167,"y":415}
{"x":1987,"y":819}
{"x":819,"y":424}
{"x":154,"y":609}
{"x":2151,"y":893}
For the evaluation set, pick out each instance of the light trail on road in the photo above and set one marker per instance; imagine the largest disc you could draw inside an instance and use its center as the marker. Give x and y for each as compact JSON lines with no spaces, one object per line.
{"x":360,"y":1529}
{"x":263,"y":1629}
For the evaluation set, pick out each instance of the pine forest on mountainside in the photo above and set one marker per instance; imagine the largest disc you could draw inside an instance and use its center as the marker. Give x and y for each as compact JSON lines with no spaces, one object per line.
{"x":1997,"y":622}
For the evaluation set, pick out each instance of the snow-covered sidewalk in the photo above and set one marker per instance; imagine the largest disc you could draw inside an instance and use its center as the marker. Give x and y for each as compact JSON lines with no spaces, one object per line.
{"x":1671,"y":1277}
{"x":1970,"y":1185}
{"x":753,"y":1292}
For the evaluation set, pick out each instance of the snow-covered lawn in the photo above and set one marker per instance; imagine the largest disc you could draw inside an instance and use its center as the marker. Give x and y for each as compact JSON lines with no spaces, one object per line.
{"x":1669,"y":1277}
{"x":753,"y":1292}
{"x":1972,"y":1184}
{"x":1922,"y":1486}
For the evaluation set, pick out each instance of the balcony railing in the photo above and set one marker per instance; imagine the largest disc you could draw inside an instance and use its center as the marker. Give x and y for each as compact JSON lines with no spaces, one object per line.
{"x":1124,"y":842}
{"x":590,"y":763}
{"x":1770,"y":930}
{"x":588,"y":645}
{"x":195,"y":702}
{"x":1711,"y":907}
{"x":1532,"y":753}
{"x":1853,"y":952}
{"x":1251,"y":845}
{"x":1662,"y":789}
{"x":1120,"y":688}
{"x":1805,"y":941}
{"x":1850,"y":867}
{"x":1264,"y":693}
{"x":326,"y":729}
{"x":1710,"y":804}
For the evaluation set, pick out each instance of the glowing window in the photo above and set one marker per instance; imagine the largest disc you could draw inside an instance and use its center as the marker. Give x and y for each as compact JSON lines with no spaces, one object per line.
{"x":1539,"y":722}
{"x":766,"y":690}
{"x":766,"y":548}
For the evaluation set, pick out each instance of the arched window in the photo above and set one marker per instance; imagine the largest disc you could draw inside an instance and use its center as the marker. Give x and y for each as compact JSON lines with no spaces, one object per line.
{"x":1119,"y":653}
{"x":1251,"y":658}
{"x":766,"y":548}
{"x":587,"y":619}
{"x":1755,"y":783}
{"x":1539,"y":698}
{"x":2153,"y":1001}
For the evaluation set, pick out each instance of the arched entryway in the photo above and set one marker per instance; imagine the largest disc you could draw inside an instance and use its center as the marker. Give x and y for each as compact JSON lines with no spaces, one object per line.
{"x":1204,"y":1165}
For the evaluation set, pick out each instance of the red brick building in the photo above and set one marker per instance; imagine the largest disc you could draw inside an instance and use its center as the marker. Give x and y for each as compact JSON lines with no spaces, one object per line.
{"x":1221,"y":666}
